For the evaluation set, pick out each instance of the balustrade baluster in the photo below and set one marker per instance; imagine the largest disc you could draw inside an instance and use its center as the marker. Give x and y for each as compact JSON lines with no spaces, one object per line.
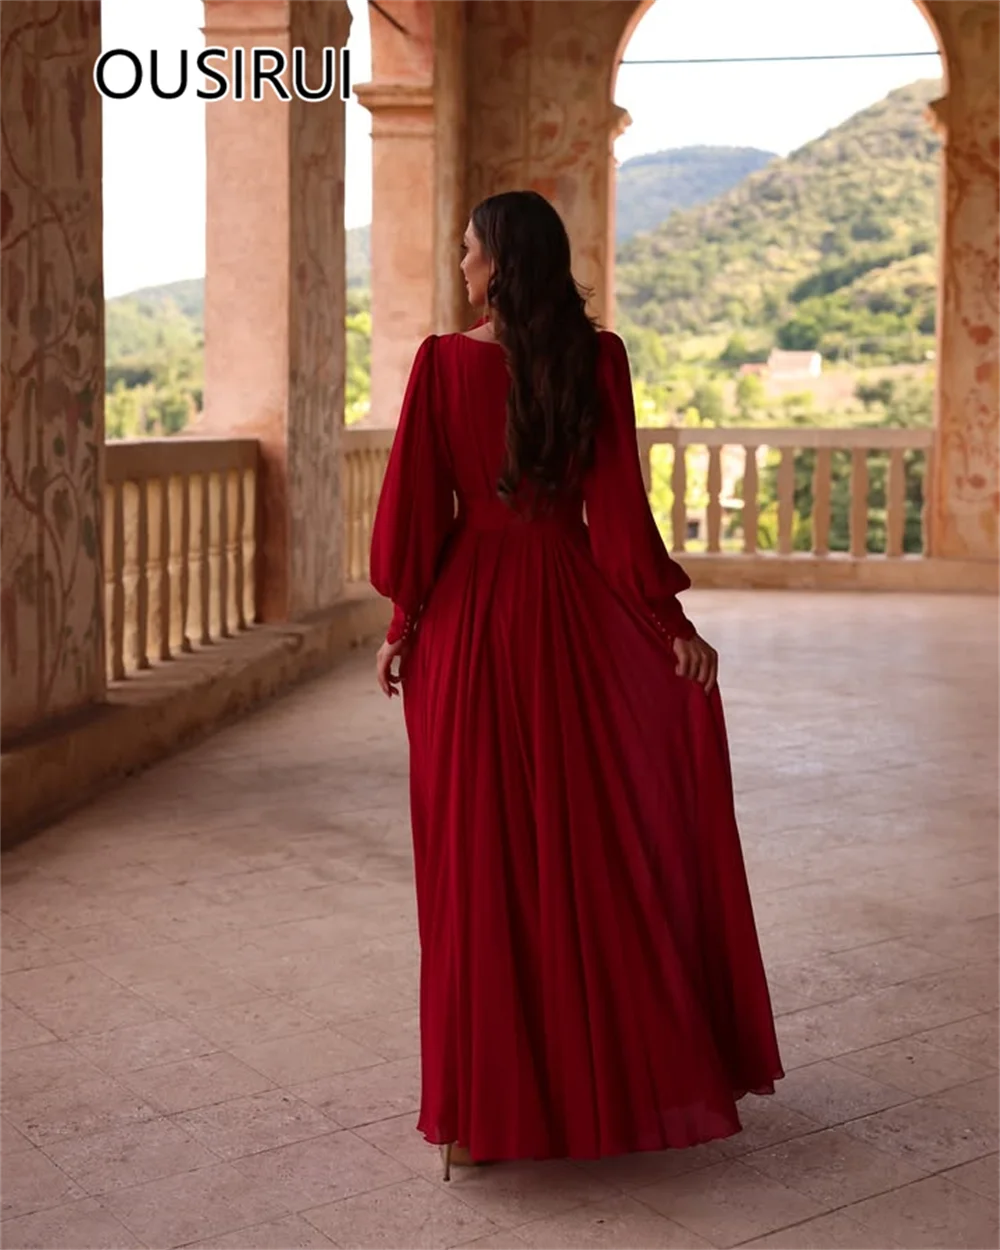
{"x":238,"y":552}
{"x":714,"y":511}
{"x":859,"y":502}
{"x":223,"y":558}
{"x":184,"y":578}
{"x":678,"y":516}
{"x":165,"y":581}
{"x":926,"y":532}
{"x":786,"y":500}
{"x":118,"y":582}
{"x":751,"y":490}
{"x":895,"y":503}
{"x":821,"y":502}
{"x":205,"y":559}
{"x":142,"y":578}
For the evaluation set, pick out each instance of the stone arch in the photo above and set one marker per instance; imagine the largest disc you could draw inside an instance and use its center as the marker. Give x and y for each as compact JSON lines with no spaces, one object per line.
{"x":638,"y":11}
{"x":641,"y":7}
{"x":964,"y":489}
{"x":402,"y":41}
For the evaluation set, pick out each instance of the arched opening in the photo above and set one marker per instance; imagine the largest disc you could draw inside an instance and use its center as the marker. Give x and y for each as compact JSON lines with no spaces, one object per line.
{"x":776,"y":239}
{"x":154,"y":225}
{"x":220,"y":213}
{"x":398,"y":99}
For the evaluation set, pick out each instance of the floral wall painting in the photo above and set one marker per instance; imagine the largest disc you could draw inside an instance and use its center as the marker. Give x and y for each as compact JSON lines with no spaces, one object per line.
{"x":52,"y":382}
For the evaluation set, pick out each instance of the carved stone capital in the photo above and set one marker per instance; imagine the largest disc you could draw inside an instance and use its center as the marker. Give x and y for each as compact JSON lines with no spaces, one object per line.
{"x":398,"y":109}
{"x":619,"y":121}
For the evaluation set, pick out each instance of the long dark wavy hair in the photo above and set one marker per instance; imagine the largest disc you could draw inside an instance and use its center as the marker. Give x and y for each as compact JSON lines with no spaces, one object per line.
{"x":539,"y":316}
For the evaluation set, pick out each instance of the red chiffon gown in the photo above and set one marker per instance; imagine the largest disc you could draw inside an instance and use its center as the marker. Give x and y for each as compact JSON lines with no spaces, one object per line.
{"x":591,"y":979}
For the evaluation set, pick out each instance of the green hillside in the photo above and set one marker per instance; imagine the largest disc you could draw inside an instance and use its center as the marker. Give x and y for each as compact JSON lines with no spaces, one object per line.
{"x":188,"y":296}
{"x":154,"y":359}
{"x":651,"y":187}
{"x":829,"y":248}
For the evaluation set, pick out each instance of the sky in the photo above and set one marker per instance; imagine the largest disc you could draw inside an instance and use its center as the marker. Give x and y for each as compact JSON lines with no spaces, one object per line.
{"x":154,"y":150}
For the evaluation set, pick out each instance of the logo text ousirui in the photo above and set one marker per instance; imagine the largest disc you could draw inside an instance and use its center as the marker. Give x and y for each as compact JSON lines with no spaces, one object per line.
{"x":245,"y":74}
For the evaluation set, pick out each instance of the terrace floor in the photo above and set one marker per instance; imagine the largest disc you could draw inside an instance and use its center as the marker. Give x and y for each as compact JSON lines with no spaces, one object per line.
{"x":209,"y":976}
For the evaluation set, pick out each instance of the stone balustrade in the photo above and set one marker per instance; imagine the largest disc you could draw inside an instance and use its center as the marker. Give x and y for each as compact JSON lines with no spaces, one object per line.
{"x":862,"y":445}
{"x":180,"y":520}
{"x":367,"y":451}
{"x":180,"y":538}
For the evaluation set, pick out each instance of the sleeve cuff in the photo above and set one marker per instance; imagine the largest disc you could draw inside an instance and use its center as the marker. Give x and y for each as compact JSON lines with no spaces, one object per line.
{"x":671,"y":622}
{"x":401,"y":625}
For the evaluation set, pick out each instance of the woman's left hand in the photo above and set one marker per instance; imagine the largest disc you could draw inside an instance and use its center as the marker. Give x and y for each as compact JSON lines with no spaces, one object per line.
{"x":697,"y":660}
{"x":387,"y":679}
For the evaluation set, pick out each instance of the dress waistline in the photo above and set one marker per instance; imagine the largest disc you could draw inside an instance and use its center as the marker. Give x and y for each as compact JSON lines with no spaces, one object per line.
{"x":494,"y":514}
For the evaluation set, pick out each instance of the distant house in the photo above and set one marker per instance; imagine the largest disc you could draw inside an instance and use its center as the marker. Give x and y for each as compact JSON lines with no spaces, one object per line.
{"x":794,"y":365}
{"x":753,"y":370}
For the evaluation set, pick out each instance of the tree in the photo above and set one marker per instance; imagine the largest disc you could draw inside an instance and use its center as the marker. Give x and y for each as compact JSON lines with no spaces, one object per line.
{"x":123,"y":412}
{"x":879,"y":392}
{"x":798,"y":409}
{"x":154,"y":348}
{"x":801,"y":334}
{"x":648,"y":353}
{"x":751,"y":396}
{"x":357,"y":382}
{"x":708,"y":399}
{"x":737,"y":352}
{"x":910,"y":404}
{"x":170,"y":410}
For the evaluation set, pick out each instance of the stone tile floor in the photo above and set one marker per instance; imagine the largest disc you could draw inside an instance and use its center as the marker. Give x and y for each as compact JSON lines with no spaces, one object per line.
{"x":209,"y":977}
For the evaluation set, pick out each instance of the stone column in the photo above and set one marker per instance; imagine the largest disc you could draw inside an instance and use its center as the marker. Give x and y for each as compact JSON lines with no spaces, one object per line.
{"x":618,"y":122}
{"x":451,"y":206}
{"x":275,"y":296}
{"x":402,"y":235}
{"x":51,"y":580}
{"x":965,"y":485}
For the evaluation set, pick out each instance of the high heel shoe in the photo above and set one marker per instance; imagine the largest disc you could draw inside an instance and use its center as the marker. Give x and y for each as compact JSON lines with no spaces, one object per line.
{"x":457,"y":1155}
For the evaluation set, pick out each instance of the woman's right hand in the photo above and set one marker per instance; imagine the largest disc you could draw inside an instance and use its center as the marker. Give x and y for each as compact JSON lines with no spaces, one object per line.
{"x":697,"y":660}
{"x":389,"y":682}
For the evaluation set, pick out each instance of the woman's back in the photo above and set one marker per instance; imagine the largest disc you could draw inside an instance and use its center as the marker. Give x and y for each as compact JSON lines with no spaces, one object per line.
{"x":451,"y":444}
{"x":472,"y":386}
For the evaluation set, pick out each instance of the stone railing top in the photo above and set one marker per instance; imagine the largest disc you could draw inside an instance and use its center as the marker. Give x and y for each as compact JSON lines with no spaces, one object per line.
{"x":798,"y":437}
{"x":139,"y":459}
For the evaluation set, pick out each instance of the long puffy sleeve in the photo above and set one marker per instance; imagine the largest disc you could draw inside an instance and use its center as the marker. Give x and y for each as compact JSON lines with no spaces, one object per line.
{"x":624,"y":539}
{"x":416,"y":506}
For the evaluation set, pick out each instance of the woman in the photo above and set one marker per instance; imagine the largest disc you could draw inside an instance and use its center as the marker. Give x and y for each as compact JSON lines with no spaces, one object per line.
{"x":591,"y":981}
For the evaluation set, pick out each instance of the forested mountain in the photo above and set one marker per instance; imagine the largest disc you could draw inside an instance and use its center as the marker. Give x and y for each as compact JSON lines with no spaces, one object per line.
{"x":147,"y":327}
{"x":830,"y":247}
{"x":188,"y":296}
{"x":649,"y":188}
